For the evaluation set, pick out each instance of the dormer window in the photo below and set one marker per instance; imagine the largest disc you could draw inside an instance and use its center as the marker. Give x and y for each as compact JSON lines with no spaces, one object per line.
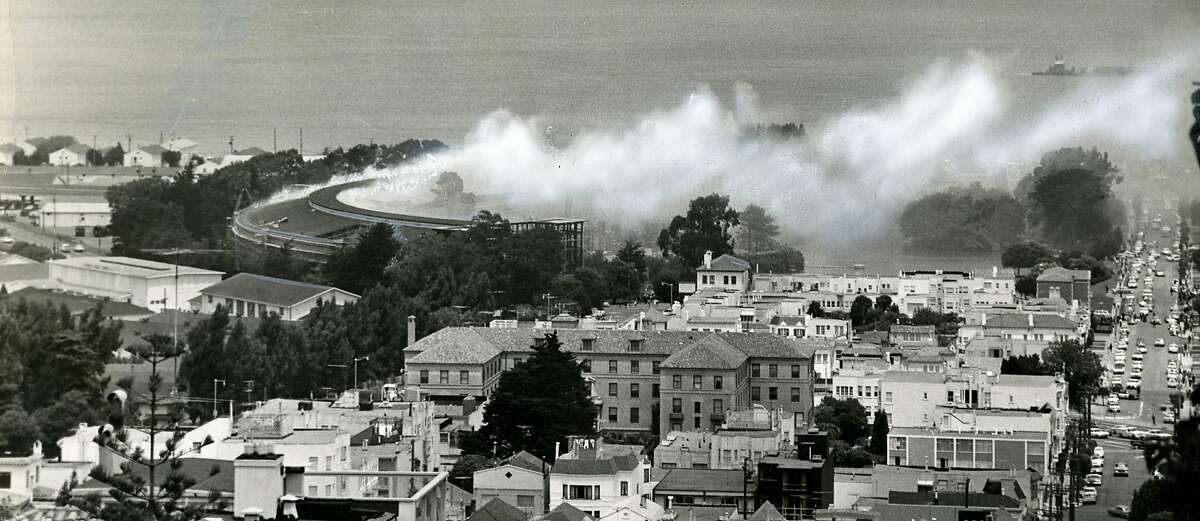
{"x":635,"y":345}
{"x":589,"y":344}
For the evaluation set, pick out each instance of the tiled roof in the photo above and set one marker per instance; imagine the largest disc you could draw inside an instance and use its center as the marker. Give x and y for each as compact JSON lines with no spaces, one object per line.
{"x":498,"y":510}
{"x":1021,"y":320}
{"x":271,"y":290}
{"x":455,"y":345}
{"x":525,"y":460}
{"x":595,"y":467}
{"x":913,"y":377}
{"x":781,"y":320}
{"x":709,"y":352}
{"x":153,"y":149}
{"x":726,"y":262}
{"x":701,"y":480}
{"x":566,"y":512}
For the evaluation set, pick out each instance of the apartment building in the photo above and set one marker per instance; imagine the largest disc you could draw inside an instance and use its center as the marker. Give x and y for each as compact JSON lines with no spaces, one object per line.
{"x":945,"y":291}
{"x":691,"y":378}
{"x":725,"y":272}
{"x":1036,"y":327}
{"x":912,"y":399}
{"x":1016,"y":450}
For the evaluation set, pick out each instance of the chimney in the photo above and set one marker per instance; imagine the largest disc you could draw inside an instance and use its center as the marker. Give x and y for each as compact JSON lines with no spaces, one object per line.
{"x":708,"y":259}
{"x":412,"y":331}
{"x":1031,"y":320}
{"x":995,"y":272}
{"x":983,"y":319}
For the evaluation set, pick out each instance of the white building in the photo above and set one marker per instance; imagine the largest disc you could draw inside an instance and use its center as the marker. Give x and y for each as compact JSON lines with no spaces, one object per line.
{"x":70,"y":155}
{"x":149,"y":284}
{"x":596,"y":482}
{"x":808,"y":326}
{"x":207,"y":167}
{"x":1038,"y":327}
{"x":7,"y":151}
{"x":185,"y":147}
{"x":30,"y":145}
{"x":246,"y":294}
{"x":75,"y":218}
{"x":239,"y":156}
{"x":725,"y":272}
{"x":149,"y":155}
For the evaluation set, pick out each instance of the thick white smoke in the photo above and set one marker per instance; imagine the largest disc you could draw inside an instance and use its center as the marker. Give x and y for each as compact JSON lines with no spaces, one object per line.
{"x":844,"y":183}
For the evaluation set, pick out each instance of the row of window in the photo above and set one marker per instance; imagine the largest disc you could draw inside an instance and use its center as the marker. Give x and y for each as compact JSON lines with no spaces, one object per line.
{"x":635,"y":415}
{"x":635,"y":366}
{"x":635,"y":390}
{"x":464,"y":377}
{"x":773,"y":394}
{"x":772,"y":370}
{"x":588,"y":345}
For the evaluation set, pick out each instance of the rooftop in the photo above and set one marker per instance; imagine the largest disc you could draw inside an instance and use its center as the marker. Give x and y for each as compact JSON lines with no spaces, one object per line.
{"x":596,"y":467}
{"x":153,"y":149}
{"x":271,"y":290}
{"x":913,"y":377}
{"x":921,"y":431}
{"x":701,"y":480}
{"x":498,"y":510}
{"x":75,"y":304}
{"x":1058,"y":274}
{"x":130,"y":267}
{"x":1022,"y":321}
{"x":726,"y":262}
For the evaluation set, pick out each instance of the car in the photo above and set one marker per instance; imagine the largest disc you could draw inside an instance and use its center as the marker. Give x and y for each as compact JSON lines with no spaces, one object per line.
{"x":1088,"y":495}
{"x":65,"y":248}
{"x":1123,"y":431}
{"x":1137,"y":364}
{"x":1157,"y":434}
{"x":1172,"y":383}
{"x":1121,"y":470}
{"x":1160,"y":273}
{"x":7,"y":240}
{"x":1137,"y":356}
{"x":1155,"y":321}
{"x":1142,"y":349}
{"x":1158,"y":342}
{"x":1141,"y":343}
{"x":1171,"y":364}
{"x":1098,"y":433}
{"x":1168,"y":417}
{"x":79,"y":248}
{"x":1094,"y":480}
{"x":1098,"y":452}
{"x":1097,"y":461}
{"x":1173,"y":348}
{"x":1114,"y":408}
{"x":1118,"y":369}
{"x":1138,"y":434}
{"x":1121,"y":511}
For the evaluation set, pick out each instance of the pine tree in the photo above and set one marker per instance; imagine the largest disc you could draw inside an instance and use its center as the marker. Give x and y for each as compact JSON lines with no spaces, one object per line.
{"x":879,"y":434}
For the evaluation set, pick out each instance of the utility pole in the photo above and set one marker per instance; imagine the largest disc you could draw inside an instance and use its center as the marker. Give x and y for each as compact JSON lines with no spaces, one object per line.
{"x":215,"y":382}
{"x":231,"y":144}
{"x":128,"y":143}
{"x":274,"y":140}
{"x":301,"y":141}
{"x":356,"y":361}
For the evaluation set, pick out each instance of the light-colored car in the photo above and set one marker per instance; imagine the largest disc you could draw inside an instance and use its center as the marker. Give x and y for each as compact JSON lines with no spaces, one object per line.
{"x":1121,"y":511}
{"x":1171,"y":364}
{"x":1098,"y":433}
{"x":1114,"y":408}
{"x":1172,"y":383}
{"x":1137,"y":364}
{"x":79,"y":248}
{"x":1094,"y":480}
{"x":1121,"y":470}
{"x":1157,"y":434}
{"x":1098,"y":452}
{"x":6,"y":240}
{"x":1137,"y":356}
{"x":1088,"y":495}
{"x":1158,"y":342}
{"x":1173,"y":348}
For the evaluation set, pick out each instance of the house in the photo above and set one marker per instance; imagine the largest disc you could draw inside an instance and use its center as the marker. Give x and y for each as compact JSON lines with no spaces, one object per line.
{"x":912,"y":336}
{"x":725,"y":272}
{"x":517,"y":481}
{"x":594,"y":479}
{"x":247,"y":294}
{"x":703,"y":487}
{"x":1040,"y":327}
{"x":797,"y":481}
{"x":207,"y":167}
{"x":76,"y":218}
{"x":497,"y":509}
{"x":1070,"y":285}
{"x":244,"y":154}
{"x":70,"y":155}
{"x":30,"y":146}
{"x":149,"y":284}
{"x":7,"y":153}
{"x":184,"y":146}
{"x":149,"y":155}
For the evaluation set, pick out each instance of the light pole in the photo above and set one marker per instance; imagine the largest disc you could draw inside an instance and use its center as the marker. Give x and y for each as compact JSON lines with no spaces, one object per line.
{"x":356,"y":361}
{"x":669,"y":285}
{"x":548,"y":298}
{"x":215,"y":382}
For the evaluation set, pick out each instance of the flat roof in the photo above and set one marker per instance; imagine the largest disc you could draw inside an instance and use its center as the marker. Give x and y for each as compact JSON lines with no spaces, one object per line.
{"x":131,"y":267}
{"x":930,"y":433}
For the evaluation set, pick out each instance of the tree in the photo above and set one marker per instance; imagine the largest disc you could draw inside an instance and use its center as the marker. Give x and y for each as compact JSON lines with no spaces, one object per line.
{"x":1080,"y":367}
{"x":757,"y":229}
{"x":172,"y":158}
{"x":114,"y":156}
{"x":860,"y":310}
{"x":1152,"y":497}
{"x":1068,"y":159}
{"x":1070,"y":208}
{"x":1177,"y":460}
{"x":1024,"y":255}
{"x":815,"y":310}
{"x":463,"y":472}
{"x":1026,"y":285}
{"x":963,"y":219}
{"x":18,"y":431}
{"x":359,"y":267}
{"x":1025,"y":364}
{"x":704,"y":228}
{"x":845,"y":420}
{"x":539,"y":402}
{"x":879,"y":433}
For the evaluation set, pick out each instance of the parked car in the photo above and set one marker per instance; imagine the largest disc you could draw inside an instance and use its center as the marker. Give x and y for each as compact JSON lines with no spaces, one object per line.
{"x":1121,"y":511}
{"x":1094,"y":480}
{"x":1098,"y":433}
{"x":1088,"y":495}
{"x":1114,"y":408}
{"x":6,"y":240}
{"x":1098,"y":452}
{"x":1158,"y":342}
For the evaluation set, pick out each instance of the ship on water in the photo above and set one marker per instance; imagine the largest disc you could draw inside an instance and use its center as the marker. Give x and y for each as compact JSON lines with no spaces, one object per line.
{"x":1059,"y":68}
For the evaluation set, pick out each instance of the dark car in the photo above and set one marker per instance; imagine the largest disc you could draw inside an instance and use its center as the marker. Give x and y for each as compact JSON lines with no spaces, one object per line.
{"x":1121,"y":511}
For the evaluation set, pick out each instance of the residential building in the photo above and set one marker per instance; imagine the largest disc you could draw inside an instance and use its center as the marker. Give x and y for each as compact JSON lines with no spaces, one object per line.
{"x":247,"y":294}
{"x":70,"y":155}
{"x":497,"y":509}
{"x":634,"y":374}
{"x":8,"y":151}
{"x":242,"y":155}
{"x":683,"y":487}
{"x":76,"y":218}
{"x":725,"y":272}
{"x":150,"y":284}
{"x":1067,"y":284}
{"x":518,"y":481}
{"x":746,"y":434}
{"x":314,"y":449}
{"x":799,"y":481}
{"x":149,"y":155}
{"x":808,"y":326}
{"x":595,"y":480}
{"x":29,"y":146}
{"x":910,"y":398}
{"x":1038,"y":327}
{"x":1016,"y":450}
{"x":860,"y":386}
{"x":912,"y":336}
{"x":186,"y":148}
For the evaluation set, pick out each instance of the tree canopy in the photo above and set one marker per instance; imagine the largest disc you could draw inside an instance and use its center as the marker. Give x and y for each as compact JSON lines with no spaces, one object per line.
{"x":1079,"y":365}
{"x":705,"y":227}
{"x":963,"y":219}
{"x":757,"y":229}
{"x":1025,"y":255}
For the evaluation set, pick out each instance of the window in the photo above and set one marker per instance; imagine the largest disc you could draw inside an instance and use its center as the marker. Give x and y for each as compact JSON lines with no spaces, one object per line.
{"x":585,"y":365}
{"x":635,"y":390}
{"x":612,"y":367}
{"x":696,"y":422}
{"x":925,"y":396}
{"x":424,"y":376}
{"x":773,"y":371}
{"x":635,"y":416}
{"x":464,"y":377}
{"x":624,"y":488}
{"x":772,"y":393}
{"x":581,"y":491}
{"x":795,"y":371}
{"x":718,"y":406}
{"x":755,"y":370}
{"x":654,"y":390}
{"x":329,"y":490}
{"x":697,"y":382}
{"x":677,"y":381}
{"x":645,"y":476}
{"x":635,"y":345}
{"x":795,"y":395}
{"x":654,"y":366}
{"x":525,"y":501}
{"x":314,"y":462}
{"x":612,"y":415}
{"x":588,"y":344}
{"x":328,"y":463}
{"x":696,"y":407}
{"x":612,"y":389}
{"x":444,"y":376}
{"x":635,"y":367}
{"x":677,"y":405}
{"x":755,"y":393}
{"x":312,"y":490}
{"x":81,"y":231}
{"x":717,"y":382}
